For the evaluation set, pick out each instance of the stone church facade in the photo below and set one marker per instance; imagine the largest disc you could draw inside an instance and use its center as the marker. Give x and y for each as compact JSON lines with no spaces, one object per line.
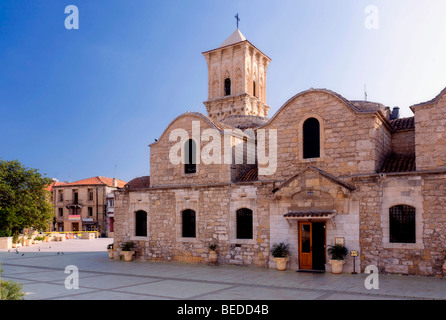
{"x":341,"y":171}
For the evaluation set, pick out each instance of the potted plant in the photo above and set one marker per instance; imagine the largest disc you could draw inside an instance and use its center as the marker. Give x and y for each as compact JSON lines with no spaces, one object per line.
{"x":110,"y":250}
{"x":338,"y":253}
{"x":280,"y":253}
{"x":15,"y":240}
{"x":213,"y":257}
{"x":127,"y":251}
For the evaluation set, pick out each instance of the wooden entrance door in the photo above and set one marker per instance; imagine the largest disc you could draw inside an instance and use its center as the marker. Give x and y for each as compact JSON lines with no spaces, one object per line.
{"x":312,"y":245}
{"x":305,"y":246}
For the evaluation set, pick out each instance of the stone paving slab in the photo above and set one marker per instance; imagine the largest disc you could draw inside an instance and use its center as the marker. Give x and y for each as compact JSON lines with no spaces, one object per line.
{"x":41,"y":270}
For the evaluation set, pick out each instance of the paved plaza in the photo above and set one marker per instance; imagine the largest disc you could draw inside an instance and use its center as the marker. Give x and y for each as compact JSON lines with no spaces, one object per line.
{"x":41,"y":269}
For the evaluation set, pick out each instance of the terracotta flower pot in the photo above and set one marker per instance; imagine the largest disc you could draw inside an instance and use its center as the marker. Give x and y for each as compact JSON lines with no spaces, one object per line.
{"x":110,"y":253}
{"x":281,"y":263}
{"x":213,"y":256}
{"x":336,"y":266}
{"x":128,"y":255}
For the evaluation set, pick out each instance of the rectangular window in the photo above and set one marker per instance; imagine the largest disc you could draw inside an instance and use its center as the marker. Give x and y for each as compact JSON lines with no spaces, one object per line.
{"x":60,"y":212}
{"x":60,"y":195}
{"x":75,"y":197}
{"x":190,"y":157}
{"x":90,"y":194}
{"x":90,"y":211}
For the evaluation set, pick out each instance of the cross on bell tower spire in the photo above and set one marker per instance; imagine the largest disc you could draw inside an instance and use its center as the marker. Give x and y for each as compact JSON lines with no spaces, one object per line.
{"x":237,"y":19}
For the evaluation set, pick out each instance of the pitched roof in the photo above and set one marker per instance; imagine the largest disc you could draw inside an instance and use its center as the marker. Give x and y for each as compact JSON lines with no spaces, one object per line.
{"x":54,"y":184}
{"x":139,"y":183}
{"x":243,"y":122}
{"x":235,"y":37}
{"x":321,"y":172}
{"x":403,"y":124}
{"x":214,"y":123}
{"x":430,"y":101}
{"x":398,"y":163}
{"x":104,"y":181}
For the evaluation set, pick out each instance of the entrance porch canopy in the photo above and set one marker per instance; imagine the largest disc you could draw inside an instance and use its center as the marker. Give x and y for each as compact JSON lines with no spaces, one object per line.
{"x":311,"y":215}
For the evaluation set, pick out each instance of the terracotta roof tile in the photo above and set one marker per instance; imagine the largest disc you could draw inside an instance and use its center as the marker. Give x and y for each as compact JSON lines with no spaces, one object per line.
{"x":403,"y":124}
{"x":96,"y":181}
{"x":243,"y":122}
{"x":139,"y":183}
{"x":309,"y":214}
{"x":55,"y":184}
{"x":398,"y":163}
{"x":248,"y":175}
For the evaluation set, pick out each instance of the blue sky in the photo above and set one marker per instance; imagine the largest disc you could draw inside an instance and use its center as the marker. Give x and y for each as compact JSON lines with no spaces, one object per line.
{"x":87,"y":102}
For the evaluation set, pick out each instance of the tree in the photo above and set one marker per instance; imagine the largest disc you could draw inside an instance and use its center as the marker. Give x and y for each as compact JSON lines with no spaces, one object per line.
{"x":24,"y":199}
{"x":10,"y":290}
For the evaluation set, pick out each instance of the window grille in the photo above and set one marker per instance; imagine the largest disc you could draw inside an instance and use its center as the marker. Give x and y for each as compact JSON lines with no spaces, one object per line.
{"x":402,"y":224}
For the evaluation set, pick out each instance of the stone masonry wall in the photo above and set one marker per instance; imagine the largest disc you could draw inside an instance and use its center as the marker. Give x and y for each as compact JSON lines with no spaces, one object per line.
{"x":164,"y":172}
{"x":215,"y":209}
{"x":403,"y":142}
{"x":350,"y":142}
{"x":376,"y":195}
{"x":430,"y":135}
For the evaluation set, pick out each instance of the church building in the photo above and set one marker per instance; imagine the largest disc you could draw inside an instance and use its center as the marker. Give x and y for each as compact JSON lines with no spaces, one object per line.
{"x":322,"y":170}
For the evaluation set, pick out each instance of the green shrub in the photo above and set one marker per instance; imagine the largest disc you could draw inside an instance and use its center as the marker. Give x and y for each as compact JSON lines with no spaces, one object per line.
{"x":5,"y":233}
{"x":15,"y":238}
{"x":280,"y":250}
{"x":127,"y":246}
{"x":337,"y":252}
{"x":10,"y":290}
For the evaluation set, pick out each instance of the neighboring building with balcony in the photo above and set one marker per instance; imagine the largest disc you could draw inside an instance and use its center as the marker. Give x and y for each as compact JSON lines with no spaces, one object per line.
{"x":110,"y":214}
{"x":82,"y":205}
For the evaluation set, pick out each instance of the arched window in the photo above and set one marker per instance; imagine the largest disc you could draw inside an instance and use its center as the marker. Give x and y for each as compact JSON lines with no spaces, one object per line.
{"x":227,"y":87}
{"x":188,"y":224}
{"x":141,"y":224}
{"x":190,"y":154}
{"x":402,"y":224}
{"x":244,"y":223}
{"x":311,"y":139}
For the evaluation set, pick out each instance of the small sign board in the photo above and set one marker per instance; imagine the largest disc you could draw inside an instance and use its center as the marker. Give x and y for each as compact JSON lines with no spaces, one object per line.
{"x":340,"y":240}
{"x":353,"y":253}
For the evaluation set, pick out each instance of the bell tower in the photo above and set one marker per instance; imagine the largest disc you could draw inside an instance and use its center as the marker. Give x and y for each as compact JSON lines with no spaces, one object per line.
{"x":236,"y":79}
